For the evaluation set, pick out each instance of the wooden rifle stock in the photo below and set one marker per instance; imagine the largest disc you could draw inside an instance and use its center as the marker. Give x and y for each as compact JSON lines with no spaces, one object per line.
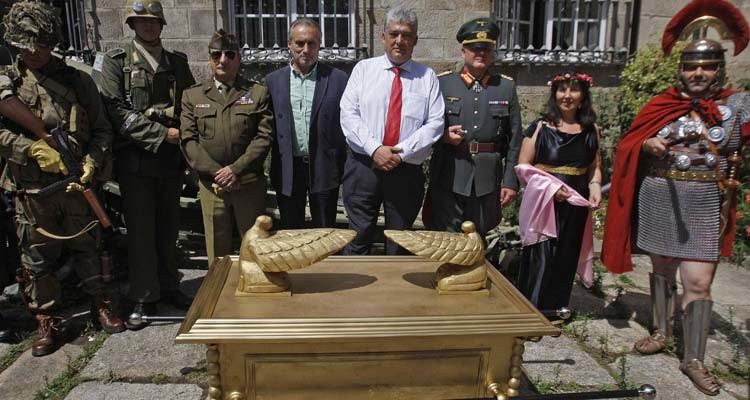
{"x":97,"y":208}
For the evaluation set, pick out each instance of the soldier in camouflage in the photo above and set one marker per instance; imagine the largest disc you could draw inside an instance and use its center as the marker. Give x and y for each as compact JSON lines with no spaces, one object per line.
{"x":60,"y":96}
{"x":471,"y":170}
{"x":142,"y":87}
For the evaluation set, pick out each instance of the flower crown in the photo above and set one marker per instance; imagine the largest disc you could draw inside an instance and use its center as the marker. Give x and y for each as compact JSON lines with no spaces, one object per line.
{"x":576,"y":78}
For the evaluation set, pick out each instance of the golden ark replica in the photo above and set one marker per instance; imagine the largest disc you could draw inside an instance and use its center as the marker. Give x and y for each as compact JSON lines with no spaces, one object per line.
{"x":353,"y":327}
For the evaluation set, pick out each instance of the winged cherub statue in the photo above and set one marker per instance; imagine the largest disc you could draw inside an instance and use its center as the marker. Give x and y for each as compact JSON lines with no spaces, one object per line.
{"x":462,"y":253}
{"x":265,"y":256}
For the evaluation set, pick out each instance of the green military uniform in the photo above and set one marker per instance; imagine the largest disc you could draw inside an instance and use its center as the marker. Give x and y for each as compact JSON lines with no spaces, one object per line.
{"x":232,"y":130}
{"x":149,"y":169}
{"x":465,"y":179}
{"x":60,"y":96}
{"x":42,"y":93}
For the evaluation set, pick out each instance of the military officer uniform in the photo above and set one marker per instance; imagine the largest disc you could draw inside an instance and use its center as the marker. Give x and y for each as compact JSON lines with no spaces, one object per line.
{"x":466,"y":178}
{"x":51,"y":224}
{"x":142,"y":87}
{"x":227,"y":125}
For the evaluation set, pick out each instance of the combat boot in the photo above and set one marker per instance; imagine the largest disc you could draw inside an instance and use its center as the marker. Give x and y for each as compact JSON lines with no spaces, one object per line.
{"x":45,"y":341}
{"x":103,"y":311}
{"x":695,"y":322}
{"x":662,"y":304}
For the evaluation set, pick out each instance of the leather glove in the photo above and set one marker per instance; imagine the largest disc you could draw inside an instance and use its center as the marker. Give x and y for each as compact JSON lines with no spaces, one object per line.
{"x":47,"y":157}
{"x":88,"y":169}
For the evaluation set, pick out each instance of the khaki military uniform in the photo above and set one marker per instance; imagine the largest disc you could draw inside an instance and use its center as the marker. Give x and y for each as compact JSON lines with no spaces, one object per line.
{"x":227,"y":130}
{"x":149,"y":169}
{"x":60,"y":96}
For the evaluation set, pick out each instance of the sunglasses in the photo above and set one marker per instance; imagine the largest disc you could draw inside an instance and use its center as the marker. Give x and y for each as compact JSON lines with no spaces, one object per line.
{"x":216,"y":54}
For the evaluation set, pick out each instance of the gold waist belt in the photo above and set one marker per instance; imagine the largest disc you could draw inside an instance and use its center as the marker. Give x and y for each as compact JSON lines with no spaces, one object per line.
{"x":562,"y":170}
{"x":704,"y":176}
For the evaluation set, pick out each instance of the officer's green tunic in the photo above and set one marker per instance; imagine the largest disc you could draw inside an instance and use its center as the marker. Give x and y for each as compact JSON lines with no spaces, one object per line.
{"x":465,"y":186}
{"x":232,"y":131}
{"x":149,"y":169}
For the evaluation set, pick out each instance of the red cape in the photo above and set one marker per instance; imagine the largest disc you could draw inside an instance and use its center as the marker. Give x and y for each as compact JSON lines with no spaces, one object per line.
{"x":661,"y":110}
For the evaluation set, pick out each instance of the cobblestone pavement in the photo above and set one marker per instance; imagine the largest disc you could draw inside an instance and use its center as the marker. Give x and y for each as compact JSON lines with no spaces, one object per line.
{"x":593,"y":353}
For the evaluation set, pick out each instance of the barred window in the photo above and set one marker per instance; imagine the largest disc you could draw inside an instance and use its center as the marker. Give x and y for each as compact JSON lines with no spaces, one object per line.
{"x":262,"y":27}
{"x":565,"y":31}
{"x":74,"y":30}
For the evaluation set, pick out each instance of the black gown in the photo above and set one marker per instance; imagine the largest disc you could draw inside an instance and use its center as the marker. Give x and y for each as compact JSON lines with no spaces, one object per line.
{"x":549,"y":267}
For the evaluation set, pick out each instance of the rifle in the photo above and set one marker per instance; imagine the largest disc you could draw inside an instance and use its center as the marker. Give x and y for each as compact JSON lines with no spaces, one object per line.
{"x":14,"y":110}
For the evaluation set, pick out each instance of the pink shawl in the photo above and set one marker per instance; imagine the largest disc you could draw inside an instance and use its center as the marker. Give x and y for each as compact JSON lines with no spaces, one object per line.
{"x":537,"y":215}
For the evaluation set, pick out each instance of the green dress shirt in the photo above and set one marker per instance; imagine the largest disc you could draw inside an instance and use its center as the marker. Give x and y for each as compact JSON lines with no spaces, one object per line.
{"x":301,"y":92}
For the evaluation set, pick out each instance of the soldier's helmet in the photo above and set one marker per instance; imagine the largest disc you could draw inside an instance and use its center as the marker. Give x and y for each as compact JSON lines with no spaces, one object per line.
{"x":144,"y":9}
{"x":692,"y":24}
{"x":32,"y":24}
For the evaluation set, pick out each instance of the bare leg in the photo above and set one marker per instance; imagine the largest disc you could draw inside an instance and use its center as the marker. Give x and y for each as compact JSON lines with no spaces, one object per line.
{"x":697,"y":277}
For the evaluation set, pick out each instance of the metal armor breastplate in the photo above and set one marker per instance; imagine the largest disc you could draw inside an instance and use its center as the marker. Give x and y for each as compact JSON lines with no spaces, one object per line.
{"x":702,"y":152}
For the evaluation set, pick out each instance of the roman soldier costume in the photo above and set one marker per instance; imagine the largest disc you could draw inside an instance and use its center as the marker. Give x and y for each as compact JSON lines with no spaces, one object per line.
{"x":681,"y":205}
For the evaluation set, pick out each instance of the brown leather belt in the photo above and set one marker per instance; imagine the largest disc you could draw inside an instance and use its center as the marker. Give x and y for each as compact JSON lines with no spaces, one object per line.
{"x":475,"y":147}
{"x":705,"y":176}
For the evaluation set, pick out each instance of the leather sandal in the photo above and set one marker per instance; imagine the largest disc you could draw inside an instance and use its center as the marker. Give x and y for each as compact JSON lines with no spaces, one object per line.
{"x":652,"y":344}
{"x":701,"y":377}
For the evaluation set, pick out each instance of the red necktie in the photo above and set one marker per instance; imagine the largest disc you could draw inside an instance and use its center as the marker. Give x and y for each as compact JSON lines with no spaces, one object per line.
{"x":393,"y":119}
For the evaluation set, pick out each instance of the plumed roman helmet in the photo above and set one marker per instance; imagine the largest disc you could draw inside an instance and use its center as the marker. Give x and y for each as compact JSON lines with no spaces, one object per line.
{"x":693,"y":22}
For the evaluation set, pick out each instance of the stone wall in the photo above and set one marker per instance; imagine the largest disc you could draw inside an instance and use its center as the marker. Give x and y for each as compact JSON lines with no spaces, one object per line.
{"x":656,"y":14}
{"x":190,"y":24}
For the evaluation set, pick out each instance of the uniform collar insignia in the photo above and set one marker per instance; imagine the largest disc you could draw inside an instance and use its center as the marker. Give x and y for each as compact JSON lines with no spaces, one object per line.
{"x":469,"y":79}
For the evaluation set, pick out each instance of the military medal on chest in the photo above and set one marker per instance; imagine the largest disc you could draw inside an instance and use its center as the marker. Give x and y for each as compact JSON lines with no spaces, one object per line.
{"x":477,"y":87}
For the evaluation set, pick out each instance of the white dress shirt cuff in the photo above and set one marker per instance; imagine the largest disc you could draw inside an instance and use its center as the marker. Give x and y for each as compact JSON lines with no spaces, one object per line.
{"x":370,"y":146}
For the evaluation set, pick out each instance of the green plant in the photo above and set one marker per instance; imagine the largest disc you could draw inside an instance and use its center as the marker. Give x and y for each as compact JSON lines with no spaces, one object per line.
{"x":626,"y":280}
{"x":14,"y":351}
{"x":59,"y":387}
{"x":648,"y":73}
{"x":604,"y":344}
{"x":622,"y":380}
{"x":159,"y":379}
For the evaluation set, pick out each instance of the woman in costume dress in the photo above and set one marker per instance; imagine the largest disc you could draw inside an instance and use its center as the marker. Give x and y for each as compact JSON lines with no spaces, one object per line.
{"x":563,"y":143}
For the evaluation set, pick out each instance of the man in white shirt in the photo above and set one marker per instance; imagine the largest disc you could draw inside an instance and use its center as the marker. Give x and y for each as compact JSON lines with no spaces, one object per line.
{"x":391,"y":114}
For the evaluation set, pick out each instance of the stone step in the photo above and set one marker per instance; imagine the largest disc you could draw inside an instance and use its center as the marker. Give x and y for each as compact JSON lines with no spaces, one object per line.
{"x":143,"y":354}
{"x":561,"y":360}
{"x":30,"y":374}
{"x":134,"y":391}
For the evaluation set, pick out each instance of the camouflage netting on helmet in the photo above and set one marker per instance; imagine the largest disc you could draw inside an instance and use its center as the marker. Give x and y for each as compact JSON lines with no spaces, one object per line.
{"x":31,"y":24}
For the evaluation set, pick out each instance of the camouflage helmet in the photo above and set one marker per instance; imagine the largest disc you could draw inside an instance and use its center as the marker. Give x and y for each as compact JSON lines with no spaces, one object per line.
{"x":32,"y":24}
{"x":144,"y":9}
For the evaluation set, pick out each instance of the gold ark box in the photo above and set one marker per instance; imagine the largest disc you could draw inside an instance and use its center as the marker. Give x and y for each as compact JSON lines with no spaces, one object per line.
{"x":361,"y":327}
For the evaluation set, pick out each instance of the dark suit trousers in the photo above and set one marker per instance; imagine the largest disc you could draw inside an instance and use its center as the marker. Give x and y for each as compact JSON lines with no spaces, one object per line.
{"x":450,"y":210}
{"x":292,"y":208}
{"x":400,"y":192}
{"x":152,"y":215}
